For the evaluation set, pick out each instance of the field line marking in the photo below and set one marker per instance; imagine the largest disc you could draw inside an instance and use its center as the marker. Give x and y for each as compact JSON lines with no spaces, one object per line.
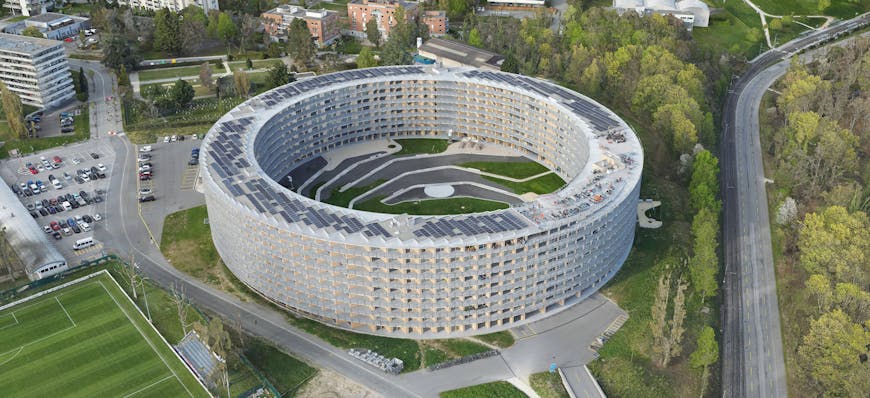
{"x":65,"y":312}
{"x":13,"y":357}
{"x":34,"y":342}
{"x":148,"y":386}
{"x":13,"y":317}
{"x":147,"y":340}
{"x":11,"y":324}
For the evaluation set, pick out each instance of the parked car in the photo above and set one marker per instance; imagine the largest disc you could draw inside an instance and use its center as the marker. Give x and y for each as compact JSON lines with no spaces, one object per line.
{"x":76,"y":229}
{"x":193,"y":162}
{"x":195,"y":137}
{"x":86,"y":218}
{"x":57,"y":159}
{"x":95,"y":155}
{"x":97,"y":217}
{"x":67,"y":231}
{"x":84,"y":194}
{"x":146,"y":148}
{"x":56,"y":235}
{"x":43,"y":212}
{"x":145,"y":191}
{"x":66,"y":176}
{"x":98,"y":199}
{"x":166,"y":139}
{"x":46,"y":228}
{"x":54,"y":225}
{"x":64,"y":130}
{"x":149,"y":198}
{"x":101,"y":167}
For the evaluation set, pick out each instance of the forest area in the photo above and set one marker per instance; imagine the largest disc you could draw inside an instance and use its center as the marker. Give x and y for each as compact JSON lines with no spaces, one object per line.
{"x":816,"y":135}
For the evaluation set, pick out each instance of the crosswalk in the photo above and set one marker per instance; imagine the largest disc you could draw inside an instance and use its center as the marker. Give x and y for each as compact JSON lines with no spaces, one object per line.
{"x":188,"y":178}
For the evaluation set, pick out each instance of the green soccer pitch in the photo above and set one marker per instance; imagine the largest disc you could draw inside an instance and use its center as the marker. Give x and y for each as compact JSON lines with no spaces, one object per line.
{"x":87,"y":340}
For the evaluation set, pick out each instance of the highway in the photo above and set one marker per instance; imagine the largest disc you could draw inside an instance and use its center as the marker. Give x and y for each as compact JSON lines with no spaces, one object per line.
{"x":753,"y":364}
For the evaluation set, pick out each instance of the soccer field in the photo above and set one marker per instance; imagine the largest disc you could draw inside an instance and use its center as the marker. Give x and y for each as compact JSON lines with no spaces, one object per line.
{"x":87,"y":340}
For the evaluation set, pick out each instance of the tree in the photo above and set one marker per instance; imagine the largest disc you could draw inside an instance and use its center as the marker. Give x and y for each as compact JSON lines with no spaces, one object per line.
{"x":704,"y":263}
{"x":373,"y":33}
{"x":510,"y":64}
{"x":180,"y":300}
{"x":474,"y":38}
{"x":193,"y":34}
{"x":831,"y":354}
{"x":226,"y":29}
{"x":823,"y":5}
{"x":300,"y":47}
{"x":706,"y":353}
{"x":131,"y":276}
{"x":123,"y":77}
{"x":249,"y":64}
{"x":852,"y":300}
{"x":704,"y":185}
{"x":819,"y":286}
{"x":366,"y":59}
{"x":117,"y":52}
{"x":167,"y":31}
{"x":675,"y":337}
{"x":32,"y":31}
{"x":205,"y":75}
{"x":241,"y":82}
{"x":836,"y":244}
{"x":181,"y":94}
{"x":14,"y":111}
{"x":658,"y":315}
{"x":247,"y":28}
{"x":278,"y":75}
{"x":776,"y":24}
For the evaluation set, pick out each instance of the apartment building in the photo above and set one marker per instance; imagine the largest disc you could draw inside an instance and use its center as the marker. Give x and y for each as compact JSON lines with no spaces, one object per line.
{"x":35,"y":69}
{"x":28,"y":7}
{"x":360,"y":11}
{"x":323,"y":24}
{"x":53,"y":25}
{"x":437,"y":22}
{"x":173,"y":5}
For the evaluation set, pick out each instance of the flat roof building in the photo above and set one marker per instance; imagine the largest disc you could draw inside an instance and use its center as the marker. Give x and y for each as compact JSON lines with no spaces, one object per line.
{"x":35,"y":69}
{"x":53,"y":26}
{"x":360,"y":11}
{"x":694,"y":13}
{"x":323,"y":24}
{"x":452,"y":53}
{"x":172,"y":5}
{"x":30,"y":243}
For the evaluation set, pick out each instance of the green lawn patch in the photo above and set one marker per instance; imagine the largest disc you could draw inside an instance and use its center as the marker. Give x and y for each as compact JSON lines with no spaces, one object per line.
{"x":284,"y":371}
{"x":411,"y":146}
{"x":17,"y":18}
{"x":463,"y":348}
{"x":736,"y":30}
{"x":405,"y":349}
{"x":541,"y":185}
{"x":338,"y":198}
{"x":844,"y":9}
{"x":258,"y":63}
{"x":548,"y":385}
{"x":432,"y":207}
{"x":82,"y":132}
{"x":432,"y":356}
{"x":501,"y":339}
{"x":518,"y":170}
{"x":176,"y":72}
{"x":92,"y":341}
{"x":498,"y":389}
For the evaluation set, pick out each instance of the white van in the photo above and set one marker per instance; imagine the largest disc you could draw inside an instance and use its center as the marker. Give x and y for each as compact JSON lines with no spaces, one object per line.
{"x":83,"y":243}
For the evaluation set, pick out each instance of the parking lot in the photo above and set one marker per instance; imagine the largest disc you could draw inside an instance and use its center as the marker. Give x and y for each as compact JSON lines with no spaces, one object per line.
{"x":84,"y":196}
{"x":172,"y":182}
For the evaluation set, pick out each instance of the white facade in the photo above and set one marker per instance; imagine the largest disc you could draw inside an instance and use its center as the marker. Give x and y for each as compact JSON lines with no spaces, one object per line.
{"x":422,"y":276}
{"x":694,"y":13}
{"x":35,"y":69}
{"x":27,"y":7}
{"x":172,"y":5}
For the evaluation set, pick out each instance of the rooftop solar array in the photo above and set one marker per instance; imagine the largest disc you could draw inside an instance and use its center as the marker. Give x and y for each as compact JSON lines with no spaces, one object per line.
{"x":593,"y":113}
{"x":228,"y":164}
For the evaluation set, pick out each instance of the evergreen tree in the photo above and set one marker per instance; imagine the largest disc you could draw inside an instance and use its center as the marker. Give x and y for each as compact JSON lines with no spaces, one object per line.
{"x":14,"y":111}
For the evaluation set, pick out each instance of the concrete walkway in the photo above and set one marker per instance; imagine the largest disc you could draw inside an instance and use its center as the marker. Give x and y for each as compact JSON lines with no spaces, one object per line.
{"x":764,"y":15}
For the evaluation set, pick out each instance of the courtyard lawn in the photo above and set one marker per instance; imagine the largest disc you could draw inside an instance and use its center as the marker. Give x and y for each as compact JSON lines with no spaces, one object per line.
{"x":411,"y":146}
{"x":518,"y":170}
{"x":541,"y":185}
{"x":176,"y":72}
{"x":499,"y":389}
{"x":432,"y":207}
{"x":548,"y":385}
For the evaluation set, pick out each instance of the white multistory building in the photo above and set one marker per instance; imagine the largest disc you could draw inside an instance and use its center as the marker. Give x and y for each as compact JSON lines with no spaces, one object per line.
{"x":172,"y":5}
{"x":694,"y":13}
{"x":412,"y":275}
{"x":28,"y":7}
{"x":35,"y":69}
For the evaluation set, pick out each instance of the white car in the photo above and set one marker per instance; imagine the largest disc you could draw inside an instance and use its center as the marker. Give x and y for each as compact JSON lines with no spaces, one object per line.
{"x":76,"y":160}
{"x":195,"y":137}
{"x":144,"y":167}
{"x":174,"y":138}
{"x":101,"y":167}
{"x":146,"y":148}
{"x":145,"y":191}
{"x":84,"y":226}
{"x":97,"y":217}
{"x":166,"y":139}
{"x":46,"y":228}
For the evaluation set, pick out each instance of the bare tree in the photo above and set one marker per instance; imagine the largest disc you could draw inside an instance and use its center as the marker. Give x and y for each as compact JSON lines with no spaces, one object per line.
{"x":128,"y":271}
{"x":676,"y":333}
{"x":247,"y":28}
{"x":180,"y":300}
{"x":657,"y":324}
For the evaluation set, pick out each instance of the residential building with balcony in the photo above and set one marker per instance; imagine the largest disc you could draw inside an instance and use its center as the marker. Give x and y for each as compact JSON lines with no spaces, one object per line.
{"x":359,"y":12}
{"x":35,"y":69}
{"x":28,"y":7}
{"x":323,"y":24}
{"x":437,"y":22}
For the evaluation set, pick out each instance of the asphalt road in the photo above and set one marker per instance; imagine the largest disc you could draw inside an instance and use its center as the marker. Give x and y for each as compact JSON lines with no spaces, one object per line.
{"x":753,"y":362}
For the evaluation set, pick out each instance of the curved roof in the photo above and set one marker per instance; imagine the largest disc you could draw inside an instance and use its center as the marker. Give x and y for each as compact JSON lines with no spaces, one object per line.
{"x":229,"y":161}
{"x":24,"y":235}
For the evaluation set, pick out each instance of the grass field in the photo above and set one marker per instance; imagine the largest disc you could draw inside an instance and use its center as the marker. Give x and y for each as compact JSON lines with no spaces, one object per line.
{"x":839,"y":8}
{"x":87,"y":340}
{"x":541,"y":185}
{"x":548,"y":385}
{"x":432,"y":207}
{"x":518,"y":170}
{"x":498,"y":389}
{"x":181,"y":71}
{"x":501,"y":339}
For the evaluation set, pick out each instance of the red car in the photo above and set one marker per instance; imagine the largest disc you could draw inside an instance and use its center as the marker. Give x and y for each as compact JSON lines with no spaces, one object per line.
{"x":33,"y":170}
{"x":54,"y":226}
{"x":68,"y":40}
{"x":57,"y":159}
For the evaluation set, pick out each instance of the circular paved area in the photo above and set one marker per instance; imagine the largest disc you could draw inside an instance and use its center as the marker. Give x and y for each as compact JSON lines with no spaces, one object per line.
{"x":439,"y":191}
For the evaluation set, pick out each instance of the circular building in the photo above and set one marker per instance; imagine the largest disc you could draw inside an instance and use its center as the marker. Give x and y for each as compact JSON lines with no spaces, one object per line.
{"x":422,"y":276}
